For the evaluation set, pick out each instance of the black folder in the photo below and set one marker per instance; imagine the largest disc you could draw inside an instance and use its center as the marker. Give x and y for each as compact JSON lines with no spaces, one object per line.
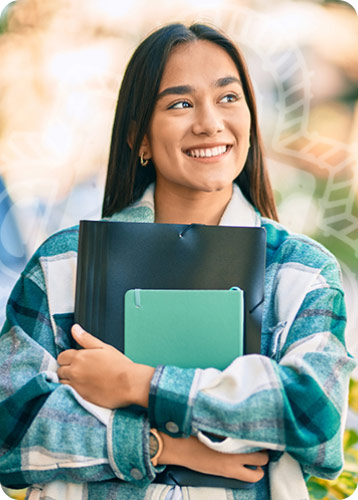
{"x":114,"y":257}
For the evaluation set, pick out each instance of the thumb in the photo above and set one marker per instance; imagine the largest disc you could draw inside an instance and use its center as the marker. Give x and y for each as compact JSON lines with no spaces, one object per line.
{"x":85,"y":339}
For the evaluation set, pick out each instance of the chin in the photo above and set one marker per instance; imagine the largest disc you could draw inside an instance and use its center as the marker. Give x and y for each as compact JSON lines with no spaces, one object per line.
{"x":215,"y":186}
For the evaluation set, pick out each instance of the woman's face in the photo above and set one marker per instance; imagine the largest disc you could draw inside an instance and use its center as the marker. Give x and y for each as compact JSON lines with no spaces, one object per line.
{"x":199,"y":132}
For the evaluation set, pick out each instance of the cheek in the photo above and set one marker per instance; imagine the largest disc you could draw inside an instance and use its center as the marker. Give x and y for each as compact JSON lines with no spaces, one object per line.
{"x":163,"y":139}
{"x":243,"y":120}
{"x":240,"y":124}
{"x":164,"y":152}
{"x":168,"y":134}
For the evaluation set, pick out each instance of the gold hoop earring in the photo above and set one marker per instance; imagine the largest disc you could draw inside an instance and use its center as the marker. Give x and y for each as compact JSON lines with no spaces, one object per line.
{"x":143,"y":162}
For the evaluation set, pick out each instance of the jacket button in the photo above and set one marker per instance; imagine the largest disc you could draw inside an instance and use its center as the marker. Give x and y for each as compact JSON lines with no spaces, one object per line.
{"x":136,"y":474}
{"x":172,"y":427}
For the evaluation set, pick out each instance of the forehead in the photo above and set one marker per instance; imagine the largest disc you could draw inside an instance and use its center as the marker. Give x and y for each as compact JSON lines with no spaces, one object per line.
{"x":197,"y":62}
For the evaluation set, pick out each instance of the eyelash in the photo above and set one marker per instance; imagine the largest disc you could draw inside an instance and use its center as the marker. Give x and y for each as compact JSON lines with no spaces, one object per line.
{"x":230,"y":95}
{"x":175,"y":105}
{"x":235,"y":96}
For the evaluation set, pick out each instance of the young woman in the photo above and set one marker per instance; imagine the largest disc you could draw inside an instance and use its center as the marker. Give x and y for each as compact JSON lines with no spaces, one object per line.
{"x":185,"y":149}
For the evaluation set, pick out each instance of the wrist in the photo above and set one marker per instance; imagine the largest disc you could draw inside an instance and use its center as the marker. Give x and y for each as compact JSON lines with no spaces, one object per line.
{"x":175,"y":450}
{"x":140,"y":384}
{"x":167,"y":456}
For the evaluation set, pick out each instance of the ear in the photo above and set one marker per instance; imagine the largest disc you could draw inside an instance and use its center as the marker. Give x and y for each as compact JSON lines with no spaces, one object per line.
{"x":145,"y":145}
{"x":145,"y":148}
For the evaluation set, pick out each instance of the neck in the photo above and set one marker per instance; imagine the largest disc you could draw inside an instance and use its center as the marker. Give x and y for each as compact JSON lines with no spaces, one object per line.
{"x":187,"y":206}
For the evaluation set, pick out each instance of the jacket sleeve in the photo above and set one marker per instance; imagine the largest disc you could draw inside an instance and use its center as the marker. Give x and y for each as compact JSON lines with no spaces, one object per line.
{"x":47,"y":432}
{"x":292,"y":400}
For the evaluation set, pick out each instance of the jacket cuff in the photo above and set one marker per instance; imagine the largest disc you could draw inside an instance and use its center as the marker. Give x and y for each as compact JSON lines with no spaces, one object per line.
{"x":171,"y":399}
{"x":128,"y":447}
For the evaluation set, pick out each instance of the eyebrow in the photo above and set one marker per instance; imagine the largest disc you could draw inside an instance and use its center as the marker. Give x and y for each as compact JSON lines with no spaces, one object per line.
{"x":188,"y":89}
{"x":227,"y":80}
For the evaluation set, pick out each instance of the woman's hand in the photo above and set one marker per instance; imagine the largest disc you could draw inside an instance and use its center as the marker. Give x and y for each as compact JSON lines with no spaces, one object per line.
{"x":191,"y":453}
{"x":103,"y":375}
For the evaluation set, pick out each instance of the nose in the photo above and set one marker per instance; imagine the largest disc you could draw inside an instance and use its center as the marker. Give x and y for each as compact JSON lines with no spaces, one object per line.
{"x":207,"y":120}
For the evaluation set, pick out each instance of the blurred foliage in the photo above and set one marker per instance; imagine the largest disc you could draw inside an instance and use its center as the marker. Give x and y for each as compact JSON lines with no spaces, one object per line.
{"x":16,"y":494}
{"x":3,"y":23}
{"x":342,"y":251}
{"x":4,"y":16}
{"x":353,"y":395}
{"x":346,"y":484}
{"x":339,"y":2}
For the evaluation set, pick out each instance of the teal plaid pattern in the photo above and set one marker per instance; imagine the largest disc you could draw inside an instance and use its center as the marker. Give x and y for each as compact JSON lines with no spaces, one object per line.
{"x":290,"y":398}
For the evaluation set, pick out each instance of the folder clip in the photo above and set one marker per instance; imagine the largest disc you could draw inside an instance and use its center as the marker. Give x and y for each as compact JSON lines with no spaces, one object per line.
{"x":137,"y":297}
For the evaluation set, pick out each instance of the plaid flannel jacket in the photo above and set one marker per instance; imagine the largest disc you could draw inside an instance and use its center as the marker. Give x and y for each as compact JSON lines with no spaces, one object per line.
{"x":291,"y":399}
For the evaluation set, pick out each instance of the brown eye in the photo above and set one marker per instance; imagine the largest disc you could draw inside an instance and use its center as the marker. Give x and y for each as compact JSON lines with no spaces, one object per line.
{"x":230,"y":98}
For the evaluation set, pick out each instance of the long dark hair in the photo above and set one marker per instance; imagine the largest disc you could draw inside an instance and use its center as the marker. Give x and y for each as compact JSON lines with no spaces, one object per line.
{"x":126,"y":180}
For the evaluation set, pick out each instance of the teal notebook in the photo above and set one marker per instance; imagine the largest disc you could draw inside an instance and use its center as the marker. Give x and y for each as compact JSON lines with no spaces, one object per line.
{"x":185,"y":328}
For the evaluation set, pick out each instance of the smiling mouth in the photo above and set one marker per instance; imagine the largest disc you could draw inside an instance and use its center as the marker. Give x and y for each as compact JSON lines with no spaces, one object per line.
{"x":208,"y":152}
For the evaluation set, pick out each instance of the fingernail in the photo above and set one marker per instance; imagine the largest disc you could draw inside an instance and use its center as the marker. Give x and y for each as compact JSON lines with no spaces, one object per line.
{"x":77,"y":329}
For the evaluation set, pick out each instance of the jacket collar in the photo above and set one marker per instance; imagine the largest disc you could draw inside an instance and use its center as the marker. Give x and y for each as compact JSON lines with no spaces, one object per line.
{"x":239,"y":212}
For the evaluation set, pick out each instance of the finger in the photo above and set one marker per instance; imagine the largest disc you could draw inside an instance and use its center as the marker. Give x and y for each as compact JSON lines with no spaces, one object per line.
{"x":85,"y":339}
{"x":64,"y":372}
{"x":66,"y":357}
{"x":64,"y":381}
{"x":251,"y":475}
{"x":258,"y":458}
{"x":264,"y":456}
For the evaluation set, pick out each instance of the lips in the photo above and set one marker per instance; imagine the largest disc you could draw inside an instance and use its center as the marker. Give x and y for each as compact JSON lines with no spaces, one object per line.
{"x":207,"y":152}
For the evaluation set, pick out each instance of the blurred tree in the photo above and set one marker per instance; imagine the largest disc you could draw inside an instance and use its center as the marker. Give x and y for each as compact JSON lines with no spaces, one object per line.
{"x":4,"y":15}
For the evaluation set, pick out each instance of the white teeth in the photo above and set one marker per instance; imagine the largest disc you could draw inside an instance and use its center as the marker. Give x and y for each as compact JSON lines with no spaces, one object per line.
{"x":207,"y":153}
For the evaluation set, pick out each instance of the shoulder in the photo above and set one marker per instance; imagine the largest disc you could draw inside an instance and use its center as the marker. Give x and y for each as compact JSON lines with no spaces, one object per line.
{"x":56,"y":255}
{"x":60,"y":242}
{"x":286,"y":249}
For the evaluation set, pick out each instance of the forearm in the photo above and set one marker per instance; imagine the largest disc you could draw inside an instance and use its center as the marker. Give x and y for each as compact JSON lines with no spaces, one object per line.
{"x":47,"y":431}
{"x":66,"y":442}
{"x":61,"y":440}
{"x":282,"y":404}
{"x":192,"y":454}
{"x":186,"y":452}
{"x":235,"y":403}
